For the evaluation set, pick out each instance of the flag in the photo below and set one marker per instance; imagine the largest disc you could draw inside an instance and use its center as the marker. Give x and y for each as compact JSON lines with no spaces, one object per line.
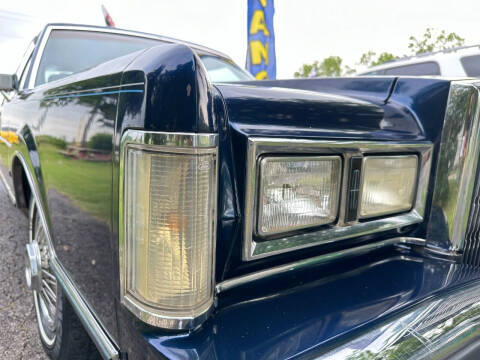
{"x":261,"y":39}
{"x":108,"y":19}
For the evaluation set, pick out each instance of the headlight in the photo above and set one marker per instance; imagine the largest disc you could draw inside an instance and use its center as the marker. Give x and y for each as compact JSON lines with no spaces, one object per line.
{"x":297,"y":192}
{"x":169,"y":207}
{"x":388,"y":185}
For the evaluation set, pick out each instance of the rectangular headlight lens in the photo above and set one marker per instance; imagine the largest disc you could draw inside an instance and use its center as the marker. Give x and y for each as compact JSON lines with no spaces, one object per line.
{"x":170,"y":201}
{"x":388,"y":184}
{"x":297,"y":192}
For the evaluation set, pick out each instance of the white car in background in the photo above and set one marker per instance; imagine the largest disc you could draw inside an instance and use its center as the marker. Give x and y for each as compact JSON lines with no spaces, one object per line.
{"x":455,"y":62}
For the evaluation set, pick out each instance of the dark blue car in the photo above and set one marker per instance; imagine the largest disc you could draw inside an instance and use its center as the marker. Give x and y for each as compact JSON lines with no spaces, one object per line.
{"x":177,"y":209}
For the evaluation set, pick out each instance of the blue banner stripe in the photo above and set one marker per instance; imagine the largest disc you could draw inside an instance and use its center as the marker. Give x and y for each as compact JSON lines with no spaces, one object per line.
{"x":261,"y":60}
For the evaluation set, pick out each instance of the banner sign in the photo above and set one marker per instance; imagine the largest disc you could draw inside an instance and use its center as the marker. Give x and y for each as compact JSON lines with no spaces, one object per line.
{"x":261,"y":40}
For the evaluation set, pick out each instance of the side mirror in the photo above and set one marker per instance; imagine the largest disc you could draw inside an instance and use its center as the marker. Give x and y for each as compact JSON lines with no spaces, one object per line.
{"x":8,"y":82}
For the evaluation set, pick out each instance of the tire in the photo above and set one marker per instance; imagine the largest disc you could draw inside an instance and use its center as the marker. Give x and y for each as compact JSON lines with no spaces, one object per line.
{"x":61,"y":332}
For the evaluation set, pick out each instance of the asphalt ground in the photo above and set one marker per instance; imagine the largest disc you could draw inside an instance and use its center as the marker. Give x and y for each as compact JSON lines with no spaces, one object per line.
{"x":18,"y":327}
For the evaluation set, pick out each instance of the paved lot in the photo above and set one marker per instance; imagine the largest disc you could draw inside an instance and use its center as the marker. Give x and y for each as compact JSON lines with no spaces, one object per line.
{"x":18,"y":328}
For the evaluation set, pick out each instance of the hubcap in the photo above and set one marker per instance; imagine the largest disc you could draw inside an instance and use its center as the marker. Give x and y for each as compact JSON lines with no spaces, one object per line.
{"x":33,"y":266}
{"x":40,"y":278}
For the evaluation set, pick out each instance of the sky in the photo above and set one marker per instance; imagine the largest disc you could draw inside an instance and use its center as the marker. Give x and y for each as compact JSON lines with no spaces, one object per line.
{"x":305,"y":30}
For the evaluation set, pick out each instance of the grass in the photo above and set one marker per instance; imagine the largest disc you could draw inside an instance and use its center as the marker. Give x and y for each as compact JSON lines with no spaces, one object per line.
{"x":86,"y":183}
{"x":3,"y":153}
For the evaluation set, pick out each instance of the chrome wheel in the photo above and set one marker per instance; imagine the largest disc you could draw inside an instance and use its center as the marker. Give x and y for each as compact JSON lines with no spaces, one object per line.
{"x":40,"y":278}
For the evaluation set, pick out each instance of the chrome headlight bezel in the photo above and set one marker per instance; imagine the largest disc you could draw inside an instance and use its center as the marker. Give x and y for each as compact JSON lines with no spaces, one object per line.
{"x":255,"y":247}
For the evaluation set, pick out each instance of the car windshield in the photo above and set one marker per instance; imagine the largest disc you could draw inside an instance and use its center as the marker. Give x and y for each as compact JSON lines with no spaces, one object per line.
{"x":471,"y":64}
{"x":65,"y":54}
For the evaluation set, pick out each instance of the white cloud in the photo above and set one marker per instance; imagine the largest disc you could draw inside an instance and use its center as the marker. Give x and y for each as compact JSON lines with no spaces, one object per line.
{"x":306,"y":30}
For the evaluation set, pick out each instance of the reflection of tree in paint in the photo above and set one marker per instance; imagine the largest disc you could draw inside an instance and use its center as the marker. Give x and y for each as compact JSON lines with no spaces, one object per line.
{"x":455,"y":136}
{"x":102,"y":107}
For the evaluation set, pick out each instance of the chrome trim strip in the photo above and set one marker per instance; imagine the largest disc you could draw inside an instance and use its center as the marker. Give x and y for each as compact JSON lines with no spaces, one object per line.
{"x":471,"y":248}
{"x":203,"y":143}
{"x":99,"y":335}
{"x":96,"y":89}
{"x":257,"y":146}
{"x":38,"y":57}
{"x":314,"y":261}
{"x":177,"y":139}
{"x":162,"y":321}
{"x":24,"y":60}
{"x":23,"y":63}
{"x":38,"y":200}
{"x":442,"y":253}
{"x":96,"y":93}
{"x":457,"y":165}
{"x":165,"y":39}
{"x":336,"y":233}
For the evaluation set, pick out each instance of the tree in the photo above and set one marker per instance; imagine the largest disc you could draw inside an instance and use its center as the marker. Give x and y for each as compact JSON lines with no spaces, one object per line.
{"x":101,"y":141}
{"x":433,"y":41}
{"x":383,"y":58}
{"x":330,"y":66}
{"x":368,"y":59}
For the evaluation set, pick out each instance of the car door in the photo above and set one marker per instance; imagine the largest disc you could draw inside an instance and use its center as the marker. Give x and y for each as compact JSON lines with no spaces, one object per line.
{"x":72,"y":103}
{"x":8,"y":138}
{"x":73,"y":135}
{"x":68,"y":119}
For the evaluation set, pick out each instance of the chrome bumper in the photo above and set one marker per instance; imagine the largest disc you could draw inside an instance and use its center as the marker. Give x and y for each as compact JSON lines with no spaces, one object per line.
{"x":441,"y":327}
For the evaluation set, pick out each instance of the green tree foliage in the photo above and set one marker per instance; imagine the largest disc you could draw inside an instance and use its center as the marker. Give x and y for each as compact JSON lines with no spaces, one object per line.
{"x":101,"y":141}
{"x":370,"y":59}
{"x":433,"y":41}
{"x":330,"y":66}
{"x":366,"y":58}
{"x":383,"y":58}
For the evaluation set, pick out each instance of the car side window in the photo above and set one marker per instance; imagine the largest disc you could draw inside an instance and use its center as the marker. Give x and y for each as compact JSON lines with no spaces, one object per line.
{"x":374,"y":73}
{"x":471,"y":64}
{"x":222,"y":70}
{"x":420,"y":69}
{"x":71,"y":51}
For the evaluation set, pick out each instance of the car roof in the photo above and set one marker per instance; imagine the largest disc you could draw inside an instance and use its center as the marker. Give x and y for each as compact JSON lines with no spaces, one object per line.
{"x":202,"y":50}
{"x":425,"y":57}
